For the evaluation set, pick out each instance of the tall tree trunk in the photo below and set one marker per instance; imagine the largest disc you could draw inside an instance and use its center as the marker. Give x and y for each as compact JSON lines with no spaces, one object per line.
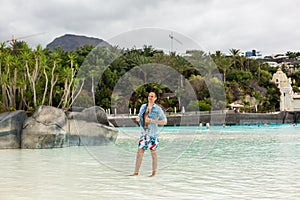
{"x":4,"y":96}
{"x":53,"y":82}
{"x":32,"y":79}
{"x":14,"y":89}
{"x":46,"y":87}
{"x":93,"y":90}
{"x":3,"y":89}
{"x":9,"y":89}
{"x":77,"y":94}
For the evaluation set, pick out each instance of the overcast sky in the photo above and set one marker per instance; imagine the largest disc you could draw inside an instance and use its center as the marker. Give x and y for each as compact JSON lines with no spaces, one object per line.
{"x":270,"y":26}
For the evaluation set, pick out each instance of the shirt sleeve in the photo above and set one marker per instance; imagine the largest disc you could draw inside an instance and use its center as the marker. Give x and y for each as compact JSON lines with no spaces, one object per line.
{"x":162,"y":115}
{"x":140,"y":111}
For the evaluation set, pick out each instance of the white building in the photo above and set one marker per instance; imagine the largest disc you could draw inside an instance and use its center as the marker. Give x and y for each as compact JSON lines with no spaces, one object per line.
{"x":272,"y":64}
{"x":288,"y":100}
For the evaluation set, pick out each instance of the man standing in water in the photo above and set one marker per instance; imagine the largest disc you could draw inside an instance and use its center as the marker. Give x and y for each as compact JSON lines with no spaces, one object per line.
{"x":150,"y":116}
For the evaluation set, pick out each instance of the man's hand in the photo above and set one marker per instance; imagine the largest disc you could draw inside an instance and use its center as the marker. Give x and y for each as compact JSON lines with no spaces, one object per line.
{"x":137,"y":119}
{"x":148,"y":120}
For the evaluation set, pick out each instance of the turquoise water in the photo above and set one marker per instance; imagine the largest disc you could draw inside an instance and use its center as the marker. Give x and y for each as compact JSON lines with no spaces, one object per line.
{"x":238,"y":162}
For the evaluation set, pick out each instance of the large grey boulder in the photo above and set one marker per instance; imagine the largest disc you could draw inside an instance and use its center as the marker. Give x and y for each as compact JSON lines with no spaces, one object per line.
{"x":90,"y":127}
{"x":83,"y":133}
{"x":10,"y":129}
{"x":92,"y":114}
{"x":46,"y":128}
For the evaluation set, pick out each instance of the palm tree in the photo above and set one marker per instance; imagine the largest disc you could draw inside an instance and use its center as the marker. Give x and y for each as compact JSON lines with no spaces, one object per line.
{"x":5,"y":79}
{"x":235,"y":53}
{"x":68,"y":81}
{"x":54,"y":77}
{"x":222,"y":62}
{"x":226,"y":63}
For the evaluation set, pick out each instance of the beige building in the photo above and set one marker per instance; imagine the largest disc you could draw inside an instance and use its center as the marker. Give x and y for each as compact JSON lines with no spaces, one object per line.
{"x":289,"y":101}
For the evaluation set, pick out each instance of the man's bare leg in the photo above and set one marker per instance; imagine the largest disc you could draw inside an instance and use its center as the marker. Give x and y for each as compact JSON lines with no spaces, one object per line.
{"x":154,"y":162}
{"x":138,"y":161}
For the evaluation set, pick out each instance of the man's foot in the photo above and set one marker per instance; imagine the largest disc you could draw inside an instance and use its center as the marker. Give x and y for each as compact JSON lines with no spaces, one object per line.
{"x":135,"y":174}
{"x":153,"y":174}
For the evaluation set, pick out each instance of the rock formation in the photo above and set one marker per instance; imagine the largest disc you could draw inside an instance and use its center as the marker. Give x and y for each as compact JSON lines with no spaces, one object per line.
{"x":90,"y":127}
{"x":46,"y":128}
{"x":11,"y":128}
{"x":50,"y":127}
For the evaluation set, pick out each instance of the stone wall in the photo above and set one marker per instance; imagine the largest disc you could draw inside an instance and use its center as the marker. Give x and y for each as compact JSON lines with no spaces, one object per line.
{"x":217,"y":119}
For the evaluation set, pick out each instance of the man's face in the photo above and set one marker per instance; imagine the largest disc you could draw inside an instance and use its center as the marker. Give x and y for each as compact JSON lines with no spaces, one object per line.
{"x":151,"y":97}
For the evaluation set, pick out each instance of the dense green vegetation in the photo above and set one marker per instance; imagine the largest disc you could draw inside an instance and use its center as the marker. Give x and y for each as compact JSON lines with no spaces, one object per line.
{"x":33,"y":77}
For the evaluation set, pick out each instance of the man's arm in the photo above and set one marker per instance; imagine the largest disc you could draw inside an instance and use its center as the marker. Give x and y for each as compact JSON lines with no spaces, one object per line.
{"x":162,"y":119}
{"x":159,"y":122}
{"x":138,"y":118}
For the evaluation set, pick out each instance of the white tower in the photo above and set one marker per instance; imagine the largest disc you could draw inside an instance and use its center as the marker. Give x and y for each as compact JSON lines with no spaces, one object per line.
{"x":286,"y":90}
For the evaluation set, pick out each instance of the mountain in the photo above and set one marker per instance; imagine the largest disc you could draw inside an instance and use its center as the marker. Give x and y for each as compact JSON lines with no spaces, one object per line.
{"x":69,"y":42}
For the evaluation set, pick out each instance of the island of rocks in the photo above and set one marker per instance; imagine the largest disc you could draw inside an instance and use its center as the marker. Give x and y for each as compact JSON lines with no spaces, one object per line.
{"x":50,"y":127}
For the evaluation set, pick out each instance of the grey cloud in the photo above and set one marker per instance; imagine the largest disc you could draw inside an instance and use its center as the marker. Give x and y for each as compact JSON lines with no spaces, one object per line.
{"x":267,"y":25}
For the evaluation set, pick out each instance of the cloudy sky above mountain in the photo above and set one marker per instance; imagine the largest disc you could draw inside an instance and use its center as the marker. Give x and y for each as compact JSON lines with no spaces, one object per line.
{"x":271,"y":26}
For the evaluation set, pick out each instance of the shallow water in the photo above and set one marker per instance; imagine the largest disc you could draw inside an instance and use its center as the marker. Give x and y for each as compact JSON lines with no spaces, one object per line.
{"x":238,"y":162}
